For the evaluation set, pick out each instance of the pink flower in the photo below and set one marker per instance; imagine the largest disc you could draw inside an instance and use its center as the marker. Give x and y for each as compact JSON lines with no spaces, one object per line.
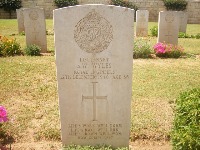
{"x":159,"y":48}
{"x":3,"y":114}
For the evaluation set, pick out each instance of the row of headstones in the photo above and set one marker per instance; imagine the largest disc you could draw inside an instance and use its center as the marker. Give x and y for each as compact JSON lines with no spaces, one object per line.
{"x":32,"y":22}
{"x":170,"y":23}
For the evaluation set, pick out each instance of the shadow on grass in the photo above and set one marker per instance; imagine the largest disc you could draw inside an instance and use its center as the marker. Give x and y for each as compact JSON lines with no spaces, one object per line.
{"x":5,"y":139}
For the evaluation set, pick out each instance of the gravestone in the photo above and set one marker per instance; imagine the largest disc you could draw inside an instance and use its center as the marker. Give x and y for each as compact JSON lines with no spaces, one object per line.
{"x":168,"y":27}
{"x":142,"y":17}
{"x":183,"y":16}
{"x":35,"y":27}
{"x":94,"y":73}
{"x":20,"y":20}
{"x":94,"y":2}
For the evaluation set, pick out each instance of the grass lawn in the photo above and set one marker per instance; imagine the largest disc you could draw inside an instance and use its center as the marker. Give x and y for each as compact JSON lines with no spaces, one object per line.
{"x":28,"y":90}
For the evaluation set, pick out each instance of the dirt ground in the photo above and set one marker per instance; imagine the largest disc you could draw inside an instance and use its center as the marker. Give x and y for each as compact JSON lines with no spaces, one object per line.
{"x":137,"y":145}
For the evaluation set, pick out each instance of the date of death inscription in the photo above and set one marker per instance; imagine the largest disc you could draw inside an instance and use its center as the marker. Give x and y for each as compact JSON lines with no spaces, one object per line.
{"x":94,"y":131}
{"x":94,"y":68}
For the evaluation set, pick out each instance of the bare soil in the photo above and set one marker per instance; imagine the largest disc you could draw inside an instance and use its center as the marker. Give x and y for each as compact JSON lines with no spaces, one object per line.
{"x":137,"y":145}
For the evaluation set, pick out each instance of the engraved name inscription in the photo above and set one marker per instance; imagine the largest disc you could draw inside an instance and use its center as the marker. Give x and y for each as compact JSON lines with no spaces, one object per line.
{"x":94,"y":68}
{"x":93,"y":33}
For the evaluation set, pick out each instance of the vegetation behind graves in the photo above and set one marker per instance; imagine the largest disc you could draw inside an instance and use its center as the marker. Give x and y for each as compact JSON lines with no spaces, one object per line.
{"x":154,"y":31}
{"x":65,"y":3}
{"x":186,"y":129}
{"x":10,"y":5}
{"x":175,"y":5}
{"x":124,"y":3}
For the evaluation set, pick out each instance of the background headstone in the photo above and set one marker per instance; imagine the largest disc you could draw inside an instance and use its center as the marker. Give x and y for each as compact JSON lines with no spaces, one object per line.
{"x":142,"y":22}
{"x":93,"y":2}
{"x":20,"y":20}
{"x":94,"y":53}
{"x":183,"y":17}
{"x":35,"y":27}
{"x":168,"y":27}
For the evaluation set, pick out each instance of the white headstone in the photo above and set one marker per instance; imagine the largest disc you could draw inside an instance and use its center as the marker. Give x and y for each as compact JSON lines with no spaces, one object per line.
{"x":94,"y":53}
{"x":35,"y":27}
{"x":20,"y":20}
{"x":168,"y":27}
{"x":142,"y":17}
{"x":183,"y":21}
{"x":94,"y":1}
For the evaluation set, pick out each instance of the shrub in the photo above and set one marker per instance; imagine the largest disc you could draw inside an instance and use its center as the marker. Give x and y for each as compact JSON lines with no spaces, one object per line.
{"x":186,"y":127}
{"x":9,"y":47}
{"x":183,"y":35}
{"x":22,"y":33}
{"x":154,"y":31}
{"x":168,"y":50}
{"x":32,"y":50}
{"x":65,"y":3}
{"x":123,"y":3}
{"x":177,"y":5}
{"x":142,"y":49}
{"x":197,"y":36}
{"x":10,"y":5}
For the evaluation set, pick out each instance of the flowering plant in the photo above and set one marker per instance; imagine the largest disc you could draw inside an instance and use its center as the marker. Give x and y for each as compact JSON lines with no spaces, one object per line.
{"x":142,"y":48}
{"x":3,"y":114}
{"x":9,"y":47}
{"x":3,"y":118}
{"x":168,"y":50}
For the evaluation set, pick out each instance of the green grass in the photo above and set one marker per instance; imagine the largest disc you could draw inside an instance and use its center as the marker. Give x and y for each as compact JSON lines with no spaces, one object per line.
{"x":192,"y":29}
{"x":28,"y":90}
{"x":9,"y":28}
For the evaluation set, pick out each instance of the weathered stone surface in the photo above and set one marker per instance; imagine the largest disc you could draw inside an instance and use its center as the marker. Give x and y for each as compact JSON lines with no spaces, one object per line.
{"x":94,"y":73}
{"x":142,"y":22}
{"x":168,"y":27}
{"x":93,"y":1}
{"x":183,"y":18}
{"x":35,"y":27}
{"x":20,"y":20}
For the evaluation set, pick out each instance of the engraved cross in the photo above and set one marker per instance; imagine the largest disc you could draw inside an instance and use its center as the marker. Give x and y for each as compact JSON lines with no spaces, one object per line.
{"x":94,"y":97}
{"x":35,"y":34}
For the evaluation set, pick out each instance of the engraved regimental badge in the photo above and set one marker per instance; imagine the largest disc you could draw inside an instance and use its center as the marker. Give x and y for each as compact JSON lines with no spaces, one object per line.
{"x":33,"y":15}
{"x":93,"y":33}
{"x":169,"y":18}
